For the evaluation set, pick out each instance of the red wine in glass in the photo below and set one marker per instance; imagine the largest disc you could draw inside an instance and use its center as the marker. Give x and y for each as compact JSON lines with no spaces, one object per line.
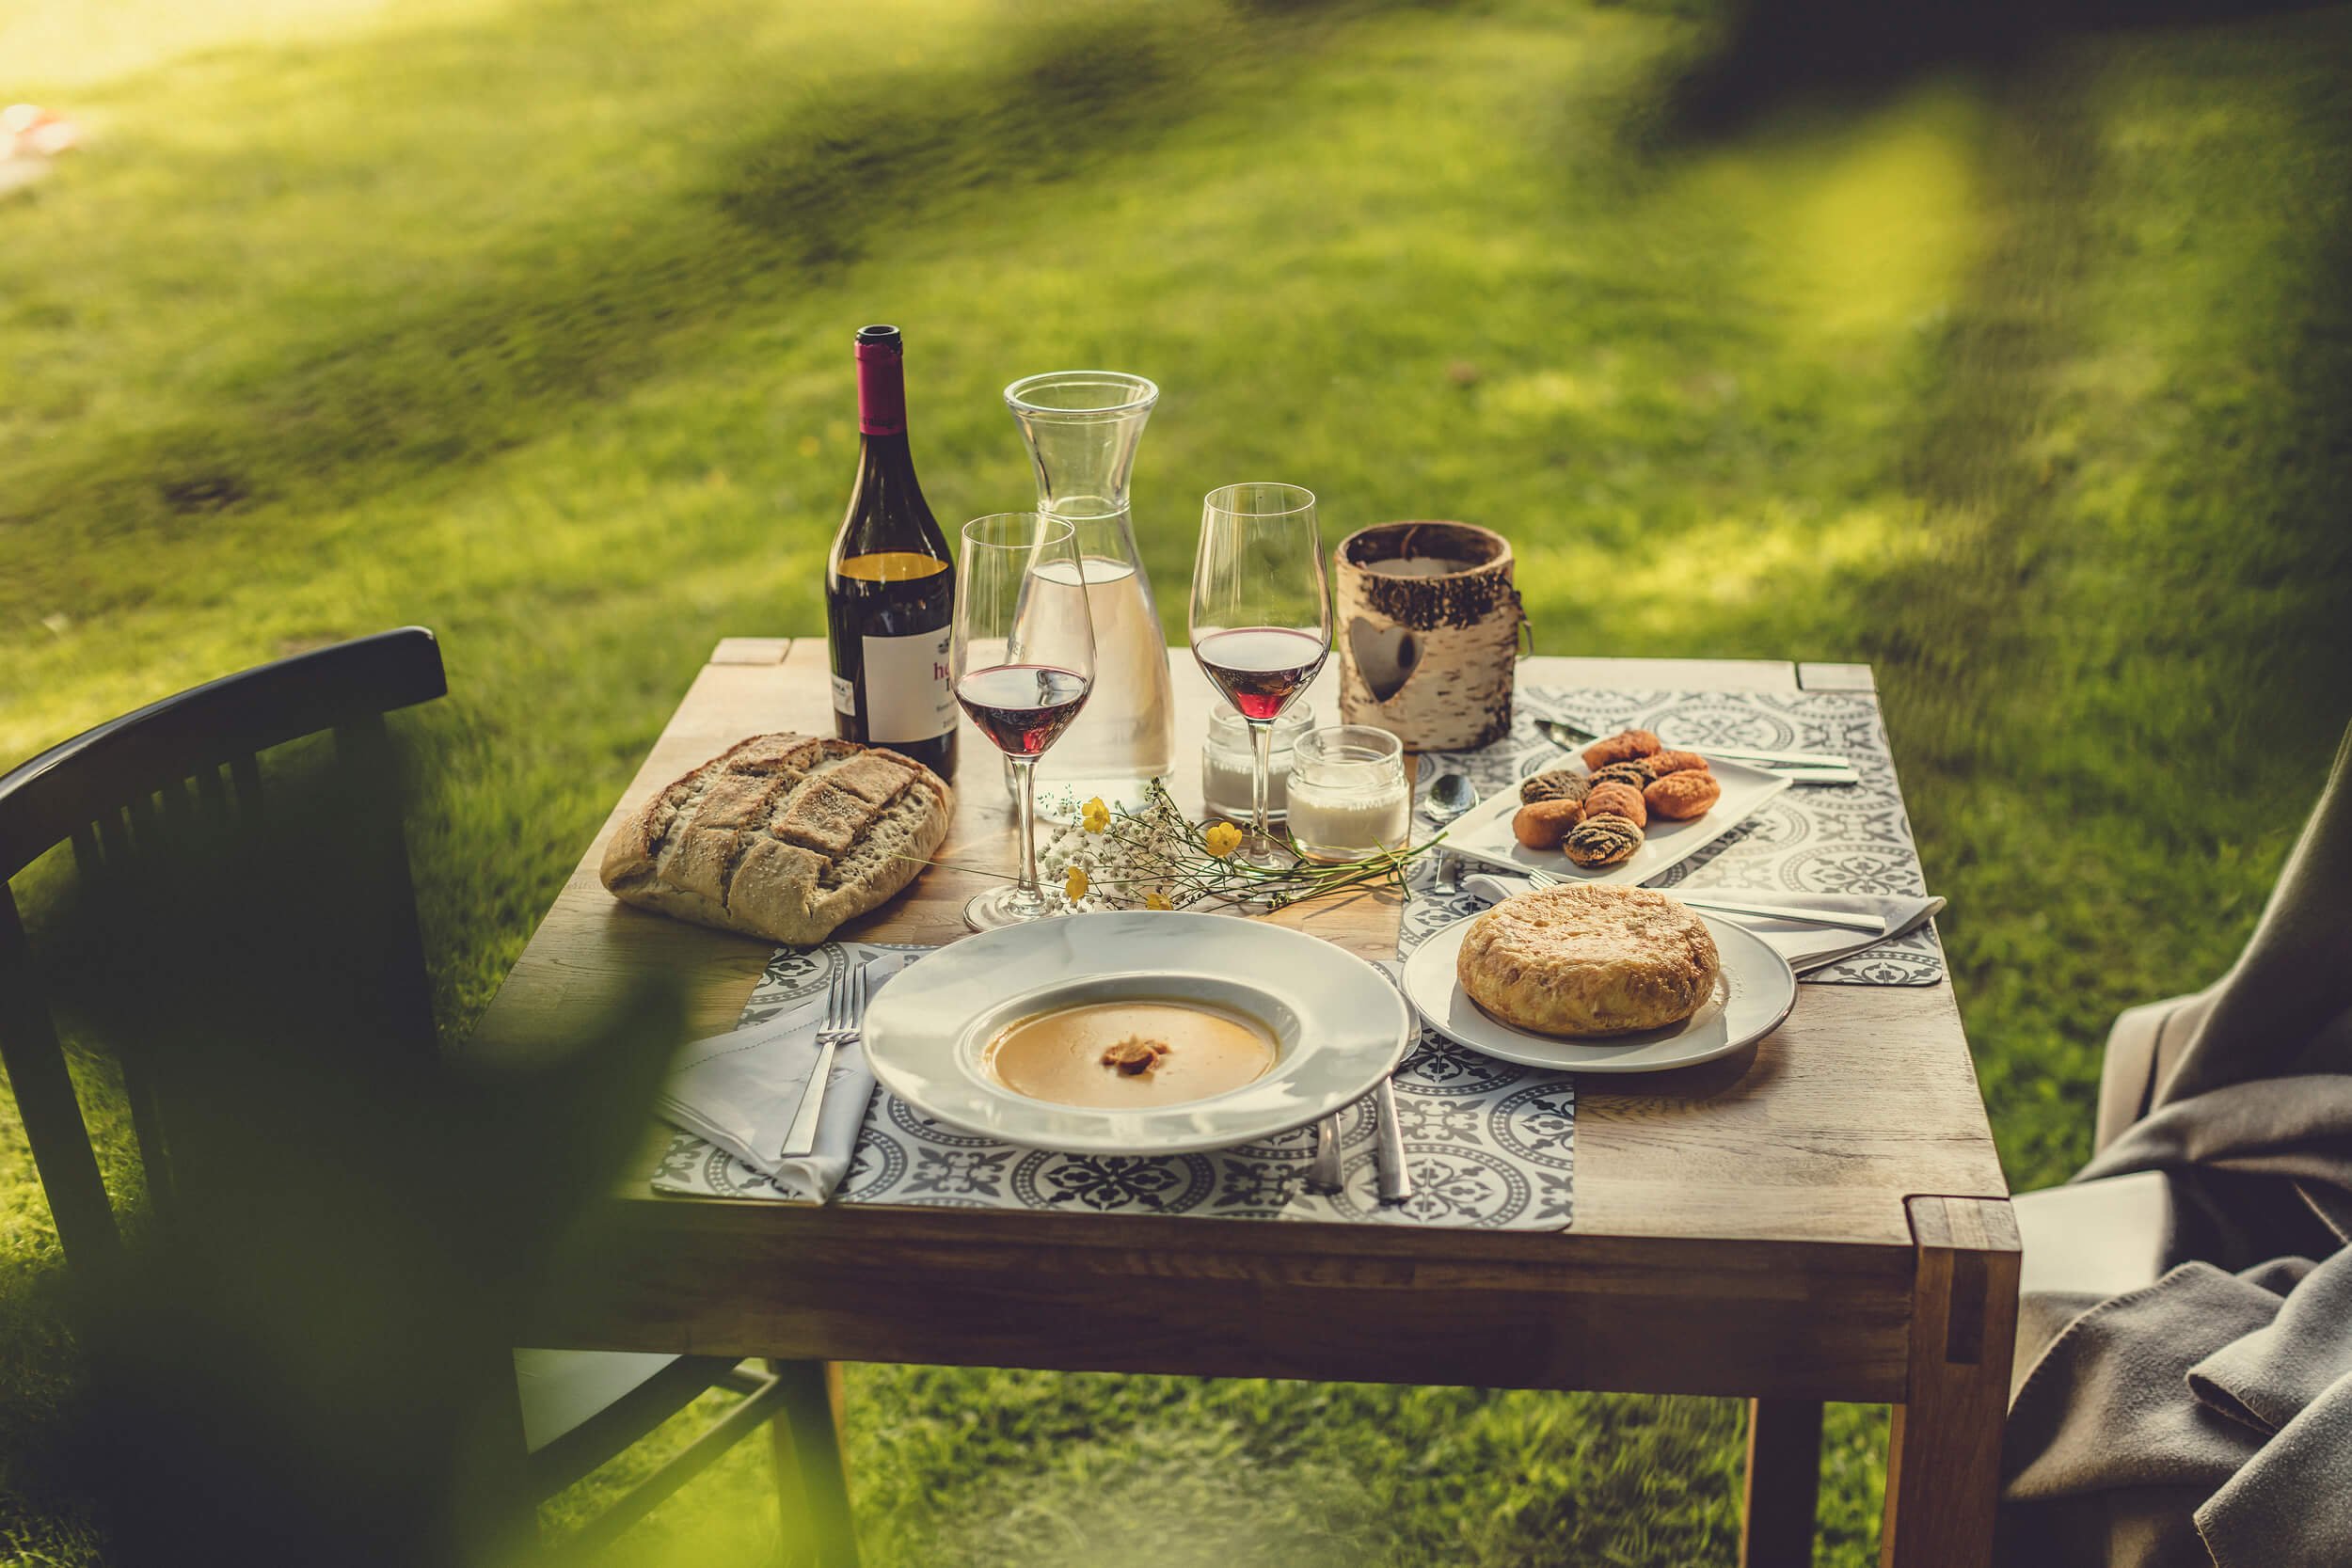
{"x":1023,"y":707}
{"x":1260,"y":668}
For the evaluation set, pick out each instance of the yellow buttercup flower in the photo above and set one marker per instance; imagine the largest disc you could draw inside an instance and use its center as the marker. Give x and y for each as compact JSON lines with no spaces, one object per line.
{"x":1156,"y":901}
{"x":1222,"y":839}
{"x":1075,"y":885}
{"x":1094,"y":816}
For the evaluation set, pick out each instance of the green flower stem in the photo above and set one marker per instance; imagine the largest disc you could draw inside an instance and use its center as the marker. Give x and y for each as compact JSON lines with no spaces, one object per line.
{"x":1158,"y":850}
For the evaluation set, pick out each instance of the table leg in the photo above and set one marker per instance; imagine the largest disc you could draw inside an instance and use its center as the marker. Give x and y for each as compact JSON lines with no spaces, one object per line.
{"x":1944,"y":1459}
{"x":1783,"y":1483}
{"x":807,"y":1443}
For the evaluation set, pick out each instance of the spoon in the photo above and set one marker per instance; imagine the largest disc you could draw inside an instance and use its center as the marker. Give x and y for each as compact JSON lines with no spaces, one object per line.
{"x":1450,"y":795}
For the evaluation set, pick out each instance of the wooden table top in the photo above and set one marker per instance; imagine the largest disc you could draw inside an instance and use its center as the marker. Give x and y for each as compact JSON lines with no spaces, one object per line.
{"x":1778,"y":1184}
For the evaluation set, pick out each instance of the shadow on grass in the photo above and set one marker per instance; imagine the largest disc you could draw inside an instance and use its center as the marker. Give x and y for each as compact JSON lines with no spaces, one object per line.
{"x":825,"y":186}
{"x":1775,"y":51}
{"x":1966,"y":610}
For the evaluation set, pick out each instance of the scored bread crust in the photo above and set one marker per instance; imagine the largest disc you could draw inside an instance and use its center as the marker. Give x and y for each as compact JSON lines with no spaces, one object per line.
{"x":784,"y":836}
{"x":1584,"y":961}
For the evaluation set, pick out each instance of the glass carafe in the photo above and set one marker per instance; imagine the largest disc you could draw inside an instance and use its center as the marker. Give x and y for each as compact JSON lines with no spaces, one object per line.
{"x":1082,"y":427}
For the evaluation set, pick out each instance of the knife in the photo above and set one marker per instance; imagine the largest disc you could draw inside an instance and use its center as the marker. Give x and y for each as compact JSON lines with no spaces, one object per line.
{"x":1868,"y":925}
{"x":1396,"y":1182}
{"x":1569,"y":736}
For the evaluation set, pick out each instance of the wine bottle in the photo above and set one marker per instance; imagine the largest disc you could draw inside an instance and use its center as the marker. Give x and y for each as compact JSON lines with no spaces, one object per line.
{"x":890,"y":588}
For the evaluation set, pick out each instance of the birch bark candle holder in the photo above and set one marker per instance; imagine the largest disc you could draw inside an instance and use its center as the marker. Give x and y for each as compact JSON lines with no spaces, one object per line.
{"x":1428,"y":633}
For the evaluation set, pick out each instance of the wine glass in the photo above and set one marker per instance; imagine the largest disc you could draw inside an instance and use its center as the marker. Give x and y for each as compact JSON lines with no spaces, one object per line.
{"x":1022,"y":663}
{"x":1261,"y":618}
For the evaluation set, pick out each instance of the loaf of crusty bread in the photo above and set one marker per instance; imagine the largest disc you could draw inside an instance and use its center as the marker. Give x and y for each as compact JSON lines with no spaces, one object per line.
{"x":782,"y":836}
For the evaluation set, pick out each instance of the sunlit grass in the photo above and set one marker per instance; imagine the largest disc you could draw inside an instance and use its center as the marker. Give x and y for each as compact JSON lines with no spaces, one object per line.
{"x":528,"y":321}
{"x":1862,"y":237}
{"x":1771,"y":561}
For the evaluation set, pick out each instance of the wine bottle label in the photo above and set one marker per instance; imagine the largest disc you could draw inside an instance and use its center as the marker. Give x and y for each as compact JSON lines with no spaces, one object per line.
{"x":909,"y":694}
{"x":844,"y":695}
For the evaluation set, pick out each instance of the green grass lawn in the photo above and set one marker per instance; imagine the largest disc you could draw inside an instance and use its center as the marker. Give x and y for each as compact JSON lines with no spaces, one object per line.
{"x":529,"y":320}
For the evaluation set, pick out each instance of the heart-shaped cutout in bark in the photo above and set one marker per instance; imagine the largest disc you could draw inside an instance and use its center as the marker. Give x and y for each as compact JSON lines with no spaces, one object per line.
{"x":1385,"y":656}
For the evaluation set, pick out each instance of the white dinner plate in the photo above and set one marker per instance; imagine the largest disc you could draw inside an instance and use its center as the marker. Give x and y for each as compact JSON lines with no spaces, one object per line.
{"x":1485,"y":833}
{"x":1342,"y":1026}
{"x":1755,"y":995}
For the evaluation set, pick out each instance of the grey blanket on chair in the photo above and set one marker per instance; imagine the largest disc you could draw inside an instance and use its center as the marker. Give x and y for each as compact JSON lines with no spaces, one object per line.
{"x":2208,"y":1417}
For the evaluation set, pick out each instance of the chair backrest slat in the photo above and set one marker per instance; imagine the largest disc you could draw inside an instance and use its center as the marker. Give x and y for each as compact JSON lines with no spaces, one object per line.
{"x":146,"y":821}
{"x":45,"y":1101}
{"x":363,"y":750}
{"x":246,"y":770}
{"x":212,"y":794}
{"x":147,"y":1125}
{"x":112,"y":834}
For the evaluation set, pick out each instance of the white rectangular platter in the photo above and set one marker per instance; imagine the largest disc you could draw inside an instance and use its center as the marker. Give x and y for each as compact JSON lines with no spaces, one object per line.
{"x":1485,"y":834}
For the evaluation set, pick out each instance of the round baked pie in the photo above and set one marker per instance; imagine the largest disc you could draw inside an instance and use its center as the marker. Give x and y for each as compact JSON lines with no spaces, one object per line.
{"x":1583,"y":960}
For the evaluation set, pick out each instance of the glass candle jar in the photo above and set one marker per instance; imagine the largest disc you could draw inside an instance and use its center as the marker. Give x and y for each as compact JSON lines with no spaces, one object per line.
{"x":1348,"y":798}
{"x":1225,"y":763}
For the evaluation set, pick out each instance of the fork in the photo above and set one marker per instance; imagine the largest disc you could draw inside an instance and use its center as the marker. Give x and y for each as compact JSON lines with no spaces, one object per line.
{"x":845,"y":1010}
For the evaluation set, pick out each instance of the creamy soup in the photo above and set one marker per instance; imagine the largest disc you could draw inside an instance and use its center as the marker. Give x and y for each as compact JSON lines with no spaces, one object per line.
{"x":1130,"y":1055}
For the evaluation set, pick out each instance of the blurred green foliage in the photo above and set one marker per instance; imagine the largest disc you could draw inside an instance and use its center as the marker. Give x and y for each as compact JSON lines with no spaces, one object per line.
{"x":528,"y":321}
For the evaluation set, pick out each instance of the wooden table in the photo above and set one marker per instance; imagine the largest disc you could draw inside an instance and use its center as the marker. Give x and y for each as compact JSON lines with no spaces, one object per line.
{"x":1820,"y":1218}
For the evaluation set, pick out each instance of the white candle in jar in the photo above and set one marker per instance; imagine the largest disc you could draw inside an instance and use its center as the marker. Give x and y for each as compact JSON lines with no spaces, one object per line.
{"x":1225,"y":783}
{"x":1228,"y":760}
{"x":1348,"y":798}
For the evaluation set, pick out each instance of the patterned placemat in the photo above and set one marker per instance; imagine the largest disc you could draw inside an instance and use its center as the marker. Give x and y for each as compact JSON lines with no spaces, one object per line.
{"x":1848,"y":839}
{"x":1490,"y":1147}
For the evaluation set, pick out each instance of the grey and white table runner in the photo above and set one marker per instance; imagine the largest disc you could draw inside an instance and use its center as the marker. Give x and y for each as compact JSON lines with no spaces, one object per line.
{"x":1491,"y":1145}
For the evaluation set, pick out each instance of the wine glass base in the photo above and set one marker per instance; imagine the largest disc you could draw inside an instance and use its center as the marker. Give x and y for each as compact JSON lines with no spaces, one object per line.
{"x":1265,"y":852}
{"x":1005,"y":906}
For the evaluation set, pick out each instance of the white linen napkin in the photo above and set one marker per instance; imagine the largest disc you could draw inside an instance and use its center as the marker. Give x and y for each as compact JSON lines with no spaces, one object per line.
{"x":742,"y":1090}
{"x":1805,"y":947}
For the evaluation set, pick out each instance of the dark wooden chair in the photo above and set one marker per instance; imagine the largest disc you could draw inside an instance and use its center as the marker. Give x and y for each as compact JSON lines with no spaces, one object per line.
{"x":196,"y":757}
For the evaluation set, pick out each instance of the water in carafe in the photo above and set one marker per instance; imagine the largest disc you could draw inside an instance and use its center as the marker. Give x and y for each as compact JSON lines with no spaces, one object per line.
{"x":1126,"y":733}
{"x":1082,"y":427}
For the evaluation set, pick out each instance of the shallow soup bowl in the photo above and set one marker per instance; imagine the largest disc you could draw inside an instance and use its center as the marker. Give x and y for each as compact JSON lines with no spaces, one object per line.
{"x":1339,"y":1026}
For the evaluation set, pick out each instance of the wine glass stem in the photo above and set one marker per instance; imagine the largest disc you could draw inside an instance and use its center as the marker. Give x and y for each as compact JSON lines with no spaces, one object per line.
{"x":1027,"y":892}
{"x":1261,"y":775}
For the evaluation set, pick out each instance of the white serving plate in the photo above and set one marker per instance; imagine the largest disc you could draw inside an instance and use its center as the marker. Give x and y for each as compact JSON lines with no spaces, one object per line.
{"x":1755,"y":995}
{"x":1342,"y":1027}
{"x":1485,"y":833}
